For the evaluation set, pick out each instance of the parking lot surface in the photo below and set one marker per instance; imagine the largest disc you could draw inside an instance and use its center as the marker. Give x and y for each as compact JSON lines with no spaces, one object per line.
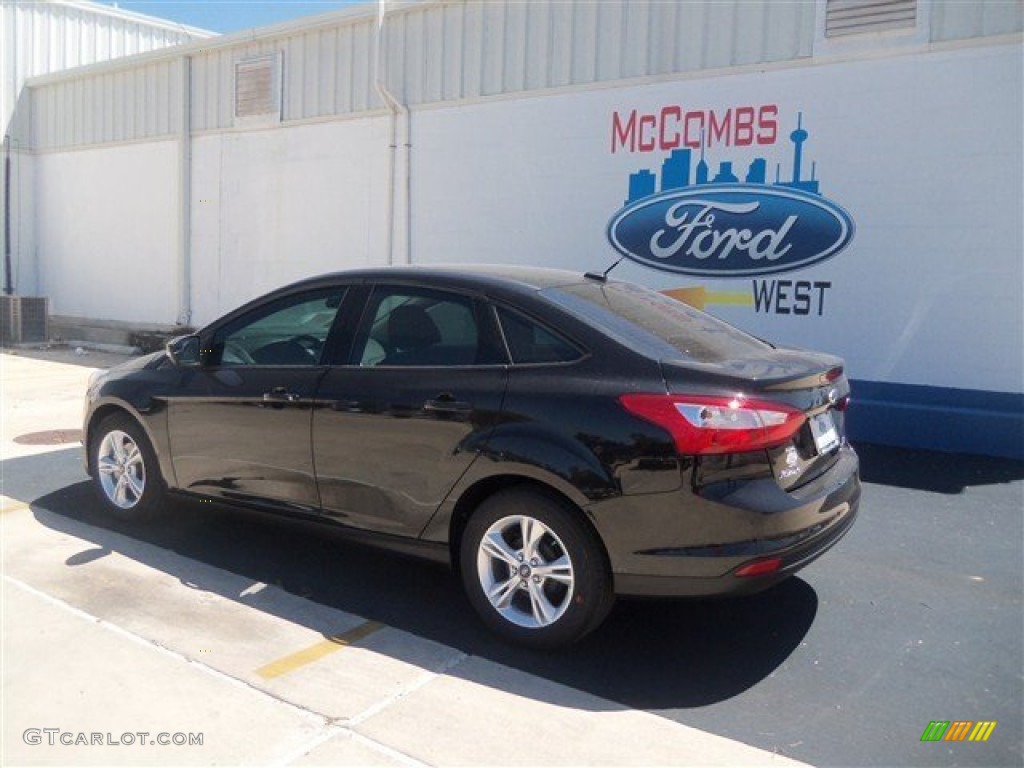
{"x":282,"y":643}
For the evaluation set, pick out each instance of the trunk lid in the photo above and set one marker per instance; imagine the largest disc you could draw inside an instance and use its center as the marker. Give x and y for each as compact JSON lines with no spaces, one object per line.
{"x":811,"y":382}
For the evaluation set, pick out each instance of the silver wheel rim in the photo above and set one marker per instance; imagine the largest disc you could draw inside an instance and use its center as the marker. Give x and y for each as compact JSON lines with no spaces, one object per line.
{"x":121,"y":469}
{"x":525,"y":571}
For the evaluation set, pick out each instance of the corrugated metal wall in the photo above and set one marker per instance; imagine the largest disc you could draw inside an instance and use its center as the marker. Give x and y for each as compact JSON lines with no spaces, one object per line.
{"x":138,"y":103}
{"x":327,"y":71}
{"x":450,"y":50}
{"x":44,"y":36}
{"x":958,"y":19}
{"x":57,"y":36}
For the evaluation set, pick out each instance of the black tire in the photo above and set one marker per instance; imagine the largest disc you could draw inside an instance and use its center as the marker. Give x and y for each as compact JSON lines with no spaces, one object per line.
{"x":553,"y":606}
{"x":125,"y":470}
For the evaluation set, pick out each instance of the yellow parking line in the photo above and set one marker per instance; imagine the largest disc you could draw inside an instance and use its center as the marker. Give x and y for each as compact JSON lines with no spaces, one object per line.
{"x":293,"y":661}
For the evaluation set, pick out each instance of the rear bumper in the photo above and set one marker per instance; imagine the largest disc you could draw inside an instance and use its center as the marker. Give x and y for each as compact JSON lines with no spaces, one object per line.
{"x":683,"y":544}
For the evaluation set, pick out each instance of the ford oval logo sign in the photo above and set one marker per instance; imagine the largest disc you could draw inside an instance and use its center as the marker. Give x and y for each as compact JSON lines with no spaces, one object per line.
{"x":731,"y":230}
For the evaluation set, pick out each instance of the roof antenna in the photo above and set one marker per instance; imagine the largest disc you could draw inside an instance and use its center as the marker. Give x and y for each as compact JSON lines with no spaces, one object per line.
{"x":603,"y":277}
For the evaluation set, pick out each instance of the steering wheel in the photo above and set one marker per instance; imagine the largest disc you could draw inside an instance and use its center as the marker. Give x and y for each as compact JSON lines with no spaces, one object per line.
{"x":234,"y":354}
{"x":310,"y":343}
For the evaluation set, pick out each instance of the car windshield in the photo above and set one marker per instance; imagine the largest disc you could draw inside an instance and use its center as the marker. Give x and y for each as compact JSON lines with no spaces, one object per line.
{"x":640,"y":316}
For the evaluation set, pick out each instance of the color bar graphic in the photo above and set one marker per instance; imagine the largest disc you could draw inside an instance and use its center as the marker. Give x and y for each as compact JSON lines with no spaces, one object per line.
{"x":982,"y":730}
{"x":699,"y":297}
{"x":958,"y":730}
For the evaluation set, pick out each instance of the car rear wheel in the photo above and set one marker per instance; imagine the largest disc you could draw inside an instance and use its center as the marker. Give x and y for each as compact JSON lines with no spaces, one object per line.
{"x":535,"y":573}
{"x":125,"y":470}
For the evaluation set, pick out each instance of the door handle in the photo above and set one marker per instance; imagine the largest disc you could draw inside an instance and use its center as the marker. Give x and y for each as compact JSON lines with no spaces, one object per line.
{"x":349,"y":406}
{"x":280,"y":395}
{"x":446,"y":403}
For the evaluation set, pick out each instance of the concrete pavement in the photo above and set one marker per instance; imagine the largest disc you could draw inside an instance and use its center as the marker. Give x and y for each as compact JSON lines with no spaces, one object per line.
{"x":106,"y":637}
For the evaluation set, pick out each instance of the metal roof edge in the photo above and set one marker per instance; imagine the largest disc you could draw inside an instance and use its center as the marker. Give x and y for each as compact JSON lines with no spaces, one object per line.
{"x":101,"y":9}
{"x":351,"y":14}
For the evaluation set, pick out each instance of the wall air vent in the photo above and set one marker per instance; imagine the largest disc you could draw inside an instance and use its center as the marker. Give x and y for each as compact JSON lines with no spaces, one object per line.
{"x":258,"y":88}
{"x":855,"y":17}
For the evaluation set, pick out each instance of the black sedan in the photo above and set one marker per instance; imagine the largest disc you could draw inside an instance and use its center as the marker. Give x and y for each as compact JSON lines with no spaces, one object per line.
{"x":557,"y":439}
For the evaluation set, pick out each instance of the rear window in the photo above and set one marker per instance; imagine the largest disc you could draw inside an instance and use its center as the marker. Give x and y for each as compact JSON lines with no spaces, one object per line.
{"x":637,"y":315}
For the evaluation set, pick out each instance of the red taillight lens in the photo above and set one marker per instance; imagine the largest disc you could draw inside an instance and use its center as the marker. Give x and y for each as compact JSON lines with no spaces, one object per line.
{"x":703,"y":425}
{"x":760,"y":567}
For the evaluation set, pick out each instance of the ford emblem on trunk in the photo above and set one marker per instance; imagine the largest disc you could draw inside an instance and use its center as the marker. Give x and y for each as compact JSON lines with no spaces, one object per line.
{"x":731,"y":230}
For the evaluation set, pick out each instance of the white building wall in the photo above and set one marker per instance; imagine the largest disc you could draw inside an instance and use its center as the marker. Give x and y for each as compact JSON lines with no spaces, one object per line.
{"x":273,"y":206}
{"x":40,"y":37}
{"x":107,"y":227}
{"x":928,"y":164}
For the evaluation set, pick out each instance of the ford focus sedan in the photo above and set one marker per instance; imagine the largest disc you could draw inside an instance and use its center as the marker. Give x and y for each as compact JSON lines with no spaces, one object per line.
{"x":556,"y":439}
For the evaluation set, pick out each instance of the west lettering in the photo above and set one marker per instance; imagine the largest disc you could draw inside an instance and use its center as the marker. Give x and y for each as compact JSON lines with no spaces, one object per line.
{"x":764,"y":295}
{"x":786,"y":297}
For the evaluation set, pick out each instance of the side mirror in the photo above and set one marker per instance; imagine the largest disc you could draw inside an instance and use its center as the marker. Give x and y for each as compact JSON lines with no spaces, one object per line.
{"x":185,"y":351}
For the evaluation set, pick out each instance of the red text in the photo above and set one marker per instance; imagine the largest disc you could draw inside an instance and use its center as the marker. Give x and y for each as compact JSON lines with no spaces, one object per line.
{"x":673,"y":127}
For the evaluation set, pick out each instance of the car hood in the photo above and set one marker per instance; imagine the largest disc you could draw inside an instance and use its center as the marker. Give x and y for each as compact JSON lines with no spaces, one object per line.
{"x":151,"y":360}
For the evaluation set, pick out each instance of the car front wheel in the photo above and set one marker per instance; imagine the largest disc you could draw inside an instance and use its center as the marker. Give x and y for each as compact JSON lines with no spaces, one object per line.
{"x":125,"y":471}
{"x":535,"y":573}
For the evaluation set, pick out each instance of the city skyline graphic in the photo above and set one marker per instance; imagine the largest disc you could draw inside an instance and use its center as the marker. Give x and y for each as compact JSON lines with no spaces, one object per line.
{"x":676,"y":171}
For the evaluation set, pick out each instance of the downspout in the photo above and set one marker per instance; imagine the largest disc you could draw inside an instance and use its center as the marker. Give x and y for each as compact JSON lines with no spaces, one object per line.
{"x":8,"y":278}
{"x":8,"y":282}
{"x":396,"y":109}
{"x":185,"y":196}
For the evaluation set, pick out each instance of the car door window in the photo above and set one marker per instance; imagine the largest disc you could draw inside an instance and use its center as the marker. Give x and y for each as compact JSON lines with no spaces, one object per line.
{"x":292,"y":331}
{"x":425,"y":328}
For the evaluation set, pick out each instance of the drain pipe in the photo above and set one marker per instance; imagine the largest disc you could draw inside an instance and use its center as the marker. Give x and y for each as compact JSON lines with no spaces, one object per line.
{"x":8,"y":282}
{"x":185,"y":197}
{"x":395,"y":108}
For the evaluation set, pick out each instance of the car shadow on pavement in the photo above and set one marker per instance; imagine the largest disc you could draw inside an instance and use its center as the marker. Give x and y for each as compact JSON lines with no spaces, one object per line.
{"x":933,"y":471}
{"x":648,"y":654}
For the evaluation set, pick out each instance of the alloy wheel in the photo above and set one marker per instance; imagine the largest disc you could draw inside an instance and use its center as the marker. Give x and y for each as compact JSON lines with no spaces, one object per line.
{"x":525,"y":571}
{"x":122,"y":471}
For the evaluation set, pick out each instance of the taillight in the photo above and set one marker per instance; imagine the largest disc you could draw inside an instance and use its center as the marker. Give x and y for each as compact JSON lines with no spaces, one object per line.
{"x":760,"y":567}
{"x":834,"y":373}
{"x":703,"y":425}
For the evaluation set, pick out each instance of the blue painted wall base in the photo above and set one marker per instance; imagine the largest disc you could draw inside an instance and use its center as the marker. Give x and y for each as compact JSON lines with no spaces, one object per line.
{"x":938,"y":418}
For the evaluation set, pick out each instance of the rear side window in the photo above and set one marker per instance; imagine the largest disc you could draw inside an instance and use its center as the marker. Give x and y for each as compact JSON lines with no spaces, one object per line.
{"x":529,"y":342}
{"x":412,"y":328}
{"x":638,"y":315}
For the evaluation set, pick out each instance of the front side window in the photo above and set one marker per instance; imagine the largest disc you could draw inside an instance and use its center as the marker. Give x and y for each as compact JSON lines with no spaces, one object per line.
{"x":410,"y":327}
{"x":291,"y":331}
